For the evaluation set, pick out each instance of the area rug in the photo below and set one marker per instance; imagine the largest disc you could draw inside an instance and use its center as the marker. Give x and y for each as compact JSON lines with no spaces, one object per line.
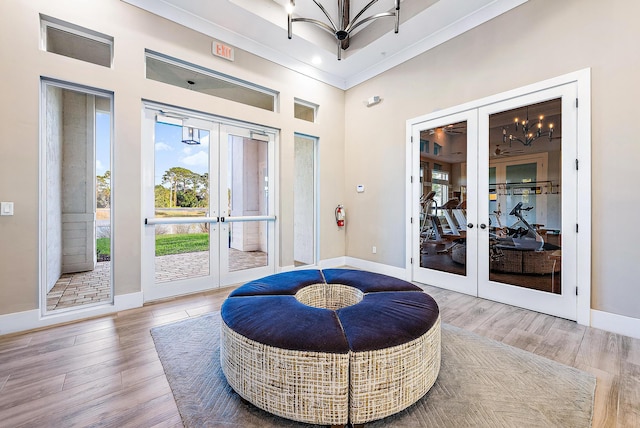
{"x":482,"y":383}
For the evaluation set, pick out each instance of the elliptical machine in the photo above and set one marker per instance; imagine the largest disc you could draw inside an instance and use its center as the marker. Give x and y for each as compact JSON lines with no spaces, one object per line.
{"x":521,"y":235}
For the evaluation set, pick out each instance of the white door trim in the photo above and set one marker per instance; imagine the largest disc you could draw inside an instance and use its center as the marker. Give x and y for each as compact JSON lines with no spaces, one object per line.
{"x":180,"y":287}
{"x":583,"y":239}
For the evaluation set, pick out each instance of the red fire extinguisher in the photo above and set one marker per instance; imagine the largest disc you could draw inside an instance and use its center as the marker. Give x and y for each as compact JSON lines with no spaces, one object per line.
{"x":340,"y":216}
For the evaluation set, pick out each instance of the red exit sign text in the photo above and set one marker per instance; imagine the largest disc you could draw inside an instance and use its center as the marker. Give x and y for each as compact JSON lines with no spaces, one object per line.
{"x":222,"y":50}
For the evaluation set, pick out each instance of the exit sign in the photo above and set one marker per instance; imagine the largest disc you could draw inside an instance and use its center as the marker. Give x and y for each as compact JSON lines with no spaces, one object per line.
{"x":222,"y":50}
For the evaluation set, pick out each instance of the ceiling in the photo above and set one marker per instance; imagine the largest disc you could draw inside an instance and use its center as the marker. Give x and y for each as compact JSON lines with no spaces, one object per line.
{"x":260,"y":27}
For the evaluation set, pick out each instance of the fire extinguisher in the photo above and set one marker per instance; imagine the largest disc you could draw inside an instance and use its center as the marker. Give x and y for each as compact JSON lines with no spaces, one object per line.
{"x":340,"y":216}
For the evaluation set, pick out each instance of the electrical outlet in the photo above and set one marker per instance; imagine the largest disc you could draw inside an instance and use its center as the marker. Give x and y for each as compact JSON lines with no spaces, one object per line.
{"x":374,"y":250}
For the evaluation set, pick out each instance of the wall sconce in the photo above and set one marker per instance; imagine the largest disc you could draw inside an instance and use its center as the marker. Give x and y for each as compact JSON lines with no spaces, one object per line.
{"x":190,"y":135}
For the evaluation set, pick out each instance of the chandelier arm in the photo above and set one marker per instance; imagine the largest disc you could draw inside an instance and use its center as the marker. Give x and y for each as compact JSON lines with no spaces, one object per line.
{"x":358,"y":15}
{"x":333,"y":24}
{"x":371,"y":18}
{"x":345,"y":16}
{"x":320,"y":24}
{"x":397,"y":27}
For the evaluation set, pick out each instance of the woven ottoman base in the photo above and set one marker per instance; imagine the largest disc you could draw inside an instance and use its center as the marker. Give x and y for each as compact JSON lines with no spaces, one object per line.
{"x":309,"y":387}
{"x":354,"y":349}
{"x":387,"y":381}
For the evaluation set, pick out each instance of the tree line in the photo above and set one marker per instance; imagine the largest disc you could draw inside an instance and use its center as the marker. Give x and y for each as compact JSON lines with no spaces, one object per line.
{"x":183,"y":188}
{"x":180,"y":187}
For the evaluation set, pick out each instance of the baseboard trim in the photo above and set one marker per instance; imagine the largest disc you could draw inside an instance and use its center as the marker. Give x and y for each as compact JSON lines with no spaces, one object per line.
{"x":614,"y":323}
{"x":394,"y":271}
{"x":333,"y":263}
{"x":33,"y":319}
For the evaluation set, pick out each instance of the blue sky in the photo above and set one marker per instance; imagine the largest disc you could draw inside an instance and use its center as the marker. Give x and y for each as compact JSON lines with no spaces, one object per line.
{"x":170,"y":151}
{"x":103,"y":152}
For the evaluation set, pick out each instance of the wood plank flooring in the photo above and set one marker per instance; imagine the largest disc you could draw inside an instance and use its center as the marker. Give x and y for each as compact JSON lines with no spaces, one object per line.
{"x":105,"y":371}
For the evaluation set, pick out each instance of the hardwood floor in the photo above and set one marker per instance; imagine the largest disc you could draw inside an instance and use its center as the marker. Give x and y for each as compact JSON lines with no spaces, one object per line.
{"x":105,"y":371}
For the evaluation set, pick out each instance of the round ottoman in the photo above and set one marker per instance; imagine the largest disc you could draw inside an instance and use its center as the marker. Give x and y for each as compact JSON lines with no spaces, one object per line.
{"x":330,"y":347}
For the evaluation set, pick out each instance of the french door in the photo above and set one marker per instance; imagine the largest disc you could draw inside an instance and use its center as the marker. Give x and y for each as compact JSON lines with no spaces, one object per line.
{"x":497,"y":201}
{"x":209,"y":203}
{"x":445,"y":236}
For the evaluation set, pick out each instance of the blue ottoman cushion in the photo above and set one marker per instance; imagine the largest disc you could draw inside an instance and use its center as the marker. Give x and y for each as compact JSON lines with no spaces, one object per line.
{"x":385,"y":319}
{"x":367,"y":282}
{"x":283,"y":322}
{"x":286,"y":283}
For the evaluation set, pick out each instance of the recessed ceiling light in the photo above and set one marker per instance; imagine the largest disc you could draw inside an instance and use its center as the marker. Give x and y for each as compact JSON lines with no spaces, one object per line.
{"x":316,"y":60}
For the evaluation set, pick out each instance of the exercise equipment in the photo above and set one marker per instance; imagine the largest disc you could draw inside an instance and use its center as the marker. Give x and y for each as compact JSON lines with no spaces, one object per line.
{"x":521,"y":234}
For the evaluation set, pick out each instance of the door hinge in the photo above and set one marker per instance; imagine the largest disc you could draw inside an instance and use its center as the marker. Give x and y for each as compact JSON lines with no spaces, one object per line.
{"x":576,"y":103}
{"x":577,"y":164}
{"x":412,"y":138}
{"x":576,"y":227}
{"x":411,"y":260}
{"x":411,"y":178}
{"x":576,"y":291}
{"x":411,"y":220}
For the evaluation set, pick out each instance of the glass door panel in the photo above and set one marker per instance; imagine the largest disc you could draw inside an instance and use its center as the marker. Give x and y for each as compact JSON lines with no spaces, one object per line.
{"x":180,"y":176}
{"x":208,"y":204}
{"x":443,"y":249}
{"x":246,"y":246}
{"x":519,"y":253}
{"x":181,"y":192}
{"x":528,"y":146}
{"x":304,"y":201}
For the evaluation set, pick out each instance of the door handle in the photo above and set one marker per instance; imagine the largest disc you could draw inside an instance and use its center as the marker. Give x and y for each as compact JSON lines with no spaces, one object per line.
{"x":483,"y":226}
{"x":470,"y":225}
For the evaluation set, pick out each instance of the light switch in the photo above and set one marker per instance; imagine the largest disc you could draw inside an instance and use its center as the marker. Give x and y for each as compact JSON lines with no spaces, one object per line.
{"x":360,"y":188}
{"x":6,"y":208}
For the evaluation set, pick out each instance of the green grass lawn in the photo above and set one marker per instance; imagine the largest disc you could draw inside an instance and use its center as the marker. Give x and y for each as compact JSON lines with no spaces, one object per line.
{"x":103,"y":246}
{"x":168,"y":244}
{"x":181,"y":243}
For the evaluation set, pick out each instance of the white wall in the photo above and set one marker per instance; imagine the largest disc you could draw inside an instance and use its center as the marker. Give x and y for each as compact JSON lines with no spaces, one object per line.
{"x":539,"y":40}
{"x":133,"y":30}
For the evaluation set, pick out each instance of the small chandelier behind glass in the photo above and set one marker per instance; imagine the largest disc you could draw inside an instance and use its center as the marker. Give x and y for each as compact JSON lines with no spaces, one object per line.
{"x":342,"y":27}
{"x":530,"y":131}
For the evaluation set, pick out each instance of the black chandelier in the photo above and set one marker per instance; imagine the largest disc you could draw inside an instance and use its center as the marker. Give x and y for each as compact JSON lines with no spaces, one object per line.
{"x":528,"y":133}
{"x":344,"y":26}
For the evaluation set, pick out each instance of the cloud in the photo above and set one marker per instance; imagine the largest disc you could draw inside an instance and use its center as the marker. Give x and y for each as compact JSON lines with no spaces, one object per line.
{"x":163,"y":147}
{"x":186,"y":150}
{"x":199,"y":159}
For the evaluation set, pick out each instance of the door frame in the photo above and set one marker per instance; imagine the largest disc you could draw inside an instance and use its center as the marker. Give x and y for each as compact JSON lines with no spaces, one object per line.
{"x":46,"y":82}
{"x":582,"y":79}
{"x":181,"y":287}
